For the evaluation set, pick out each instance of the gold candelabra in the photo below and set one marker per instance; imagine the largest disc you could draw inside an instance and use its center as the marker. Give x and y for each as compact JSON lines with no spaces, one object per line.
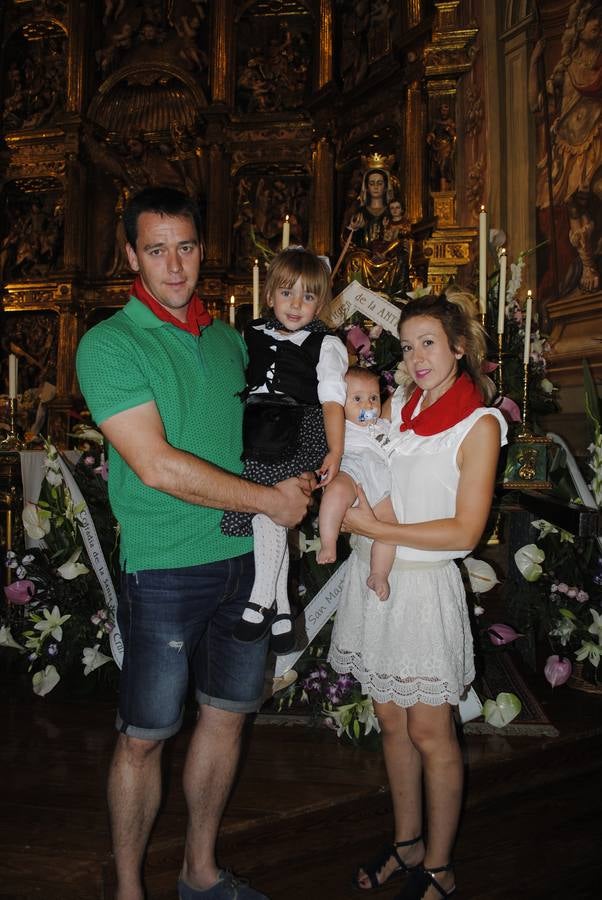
{"x":525,"y":431}
{"x":11,"y":441}
{"x":500,"y":356}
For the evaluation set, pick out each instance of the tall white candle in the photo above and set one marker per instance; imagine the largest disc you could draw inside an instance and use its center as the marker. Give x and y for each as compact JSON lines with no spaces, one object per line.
{"x":528,"y":315}
{"x":286,"y":233}
{"x":232,"y":311}
{"x":256,"y":290}
{"x":501,"y":312}
{"x":13,"y":369}
{"x":483,"y":261}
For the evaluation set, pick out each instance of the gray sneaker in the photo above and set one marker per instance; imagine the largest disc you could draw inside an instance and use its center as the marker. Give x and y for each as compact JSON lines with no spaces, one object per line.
{"x":227,"y":887}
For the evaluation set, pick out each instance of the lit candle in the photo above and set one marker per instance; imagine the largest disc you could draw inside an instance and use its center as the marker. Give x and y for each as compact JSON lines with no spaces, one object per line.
{"x":528,"y":314}
{"x":483,"y":261}
{"x":13,"y":368}
{"x":286,"y":233}
{"x":232,"y":311}
{"x":256,"y":290}
{"x":501,"y":312}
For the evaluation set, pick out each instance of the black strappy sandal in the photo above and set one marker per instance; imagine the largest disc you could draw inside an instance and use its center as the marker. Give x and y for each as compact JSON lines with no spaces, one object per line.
{"x":421,"y":880}
{"x":372,"y":868}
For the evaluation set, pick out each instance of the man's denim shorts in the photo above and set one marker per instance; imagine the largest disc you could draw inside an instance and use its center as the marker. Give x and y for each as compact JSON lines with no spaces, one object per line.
{"x":175,"y":622}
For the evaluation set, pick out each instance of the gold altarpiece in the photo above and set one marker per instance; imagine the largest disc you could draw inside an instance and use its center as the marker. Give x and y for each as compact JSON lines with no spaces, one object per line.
{"x":259,"y":108}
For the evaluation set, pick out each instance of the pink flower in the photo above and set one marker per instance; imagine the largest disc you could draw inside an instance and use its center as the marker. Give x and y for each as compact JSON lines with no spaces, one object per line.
{"x":358,"y":341}
{"x":502,"y":634}
{"x":572,"y":593}
{"x":19,"y":592}
{"x":557,"y":670}
{"x":563,"y":588}
{"x":582,"y":597}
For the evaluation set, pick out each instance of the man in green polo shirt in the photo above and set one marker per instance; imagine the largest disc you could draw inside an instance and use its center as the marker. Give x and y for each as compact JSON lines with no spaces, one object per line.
{"x":162,"y":380}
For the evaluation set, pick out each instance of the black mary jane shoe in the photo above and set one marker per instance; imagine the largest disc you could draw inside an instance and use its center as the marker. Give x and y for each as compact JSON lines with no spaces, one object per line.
{"x":420,"y":880}
{"x":283,"y":641}
{"x":372,"y":868}
{"x":249,"y":632}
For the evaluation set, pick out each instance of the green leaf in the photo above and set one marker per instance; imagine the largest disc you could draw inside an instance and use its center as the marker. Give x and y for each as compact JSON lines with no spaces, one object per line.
{"x":356,"y":728}
{"x":567,"y":613}
{"x":592,"y":401}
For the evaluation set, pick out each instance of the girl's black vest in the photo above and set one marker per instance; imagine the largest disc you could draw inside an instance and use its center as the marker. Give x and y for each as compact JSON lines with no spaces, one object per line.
{"x":294,"y":369}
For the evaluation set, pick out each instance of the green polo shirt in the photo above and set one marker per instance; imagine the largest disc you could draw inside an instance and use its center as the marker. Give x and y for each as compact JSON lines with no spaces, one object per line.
{"x":195,"y":381}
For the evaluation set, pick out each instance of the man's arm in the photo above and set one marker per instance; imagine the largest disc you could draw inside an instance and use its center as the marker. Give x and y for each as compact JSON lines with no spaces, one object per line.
{"x":138,"y":436}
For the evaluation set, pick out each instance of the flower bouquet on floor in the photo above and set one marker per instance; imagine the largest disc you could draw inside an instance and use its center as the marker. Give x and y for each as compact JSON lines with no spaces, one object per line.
{"x":56,"y":616}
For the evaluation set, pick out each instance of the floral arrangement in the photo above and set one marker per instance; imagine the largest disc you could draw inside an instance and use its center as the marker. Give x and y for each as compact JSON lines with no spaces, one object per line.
{"x":56,"y":616}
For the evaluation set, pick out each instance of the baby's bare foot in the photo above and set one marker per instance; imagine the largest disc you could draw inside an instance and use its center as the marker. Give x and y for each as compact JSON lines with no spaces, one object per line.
{"x":326,"y":554}
{"x":379,"y":583}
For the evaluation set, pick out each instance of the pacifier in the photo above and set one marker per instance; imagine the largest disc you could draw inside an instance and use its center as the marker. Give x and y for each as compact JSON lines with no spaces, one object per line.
{"x":367,"y":415}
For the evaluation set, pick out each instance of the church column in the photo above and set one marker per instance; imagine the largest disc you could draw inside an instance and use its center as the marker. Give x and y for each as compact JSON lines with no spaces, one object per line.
{"x":77,"y":53}
{"x":216,"y":227}
{"x":326,"y":43}
{"x":413,"y":152}
{"x":222,"y":61}
{"x":322,"y":198}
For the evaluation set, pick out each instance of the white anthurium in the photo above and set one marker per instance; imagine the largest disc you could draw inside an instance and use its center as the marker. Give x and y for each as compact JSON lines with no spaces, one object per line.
{"x":45,"y":680}
{"x":7,"y":640}
{"x":93,"y":659}
{"x":481,"y":575}
{"x":72,"y":568}
{"x":547,"y":386}
{"x":52,"y":623}
{"x":36,"y":521}
{"x":528,"y":560}
{"x":502,"y":710}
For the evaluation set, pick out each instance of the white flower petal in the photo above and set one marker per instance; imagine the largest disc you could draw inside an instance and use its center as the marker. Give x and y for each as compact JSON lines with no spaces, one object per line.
{"x":481,"y":575}
{"x":44,"y":681}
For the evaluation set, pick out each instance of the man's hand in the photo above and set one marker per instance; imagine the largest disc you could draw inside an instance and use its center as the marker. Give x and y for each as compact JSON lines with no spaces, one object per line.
{"x":292,"y":499}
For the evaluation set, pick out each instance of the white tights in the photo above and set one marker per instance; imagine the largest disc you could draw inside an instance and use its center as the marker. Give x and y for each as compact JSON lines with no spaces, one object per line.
{"x":271,"y":569}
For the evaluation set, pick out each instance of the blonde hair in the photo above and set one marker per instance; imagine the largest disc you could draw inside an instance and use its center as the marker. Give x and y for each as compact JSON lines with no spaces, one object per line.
{"x":456,"y":309}
{"x":291,"y":264}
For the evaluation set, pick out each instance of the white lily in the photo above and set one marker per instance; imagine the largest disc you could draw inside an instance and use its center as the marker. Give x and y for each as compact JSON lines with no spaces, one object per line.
{"x":7,"y":640}
{"x":481,"y":575}
{"x":45,"y":680}
{"x":563,"y":630}
{"x":36,"y":521}
{"x":93,"y":659}
{"x":421,"y":292}
{"x":83,"y":433}
{"x":51,"y":623}
{"x":545,"y":528}
{"x":502,"y":710}
{"x":73,"y":569}
{"x":367,"y":717}
{"x":53,"y":478}
{"x":596,"y":626}
{"x":590,"y":651}
{"x":527,"y":561}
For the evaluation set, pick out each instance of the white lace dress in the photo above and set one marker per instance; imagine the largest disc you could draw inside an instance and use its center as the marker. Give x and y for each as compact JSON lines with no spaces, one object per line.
{"x":416,"y":647}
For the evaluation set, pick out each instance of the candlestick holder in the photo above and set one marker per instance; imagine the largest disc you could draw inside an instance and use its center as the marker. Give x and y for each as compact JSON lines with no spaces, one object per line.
{"x":11,"y":441}
{"x":527,"y":460}
{"x":500,"y":367}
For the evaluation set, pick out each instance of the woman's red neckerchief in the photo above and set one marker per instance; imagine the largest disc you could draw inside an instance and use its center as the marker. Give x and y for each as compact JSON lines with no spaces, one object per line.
{"x":456,"y":404}
{"x":197,"y":316}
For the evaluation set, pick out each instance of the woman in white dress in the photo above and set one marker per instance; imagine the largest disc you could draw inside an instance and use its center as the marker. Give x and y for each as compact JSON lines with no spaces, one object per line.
{"x":413,"y":652}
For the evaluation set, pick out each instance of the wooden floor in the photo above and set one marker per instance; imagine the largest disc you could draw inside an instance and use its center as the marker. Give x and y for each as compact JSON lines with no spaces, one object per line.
{"x":306,"y":808}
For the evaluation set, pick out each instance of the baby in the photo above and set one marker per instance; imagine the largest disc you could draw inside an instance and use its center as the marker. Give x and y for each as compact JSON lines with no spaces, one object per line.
{"x":365,"y":462}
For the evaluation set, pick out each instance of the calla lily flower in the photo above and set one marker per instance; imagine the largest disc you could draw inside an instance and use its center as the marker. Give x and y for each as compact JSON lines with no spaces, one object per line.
{"x":19,"y":592}
{"x":509,"y":409}
{"x":502,"y":634}
{"x":52,"y":623}
{"x":527,"y":561}
{"x":502,"y":710}
{"x":557,"y":670}
{"x":93,"y":659}
{"x":45,"y":680}
{"x":73,"y":569}
{"x":7,"y":640}
{"x":481,"y":575}
{"x":35,"y":521}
